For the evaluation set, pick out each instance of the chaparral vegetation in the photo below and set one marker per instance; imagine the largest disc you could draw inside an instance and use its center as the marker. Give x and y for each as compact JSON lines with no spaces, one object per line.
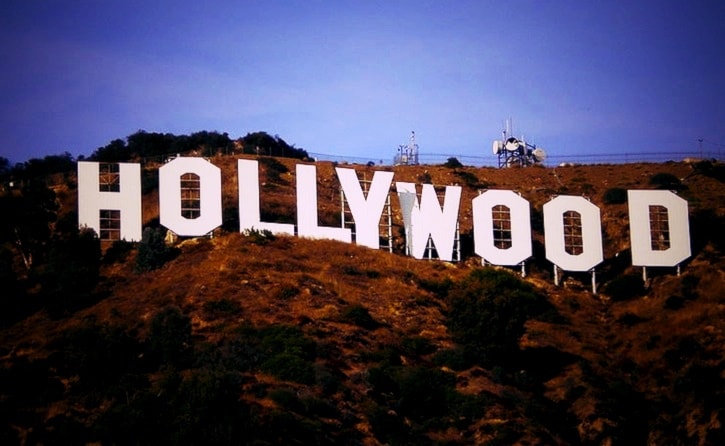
{"x":260,"y":338}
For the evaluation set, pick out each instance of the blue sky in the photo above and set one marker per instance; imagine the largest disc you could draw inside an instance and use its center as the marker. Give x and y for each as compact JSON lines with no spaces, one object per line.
{"x":354,"y":78}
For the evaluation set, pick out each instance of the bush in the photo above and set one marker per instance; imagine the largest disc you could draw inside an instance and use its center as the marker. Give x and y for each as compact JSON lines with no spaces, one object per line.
{"x":417,"y":346}
{"x":153,"y":252}
{"x":287,"y":353}
{"x":258,"y":237}
{"x":360,"y":316}
{"x":625,"y":287}
{"x":488,"y":310}
{"x":117,"y":252}
{"x":665,"y":180}
{"x":72,"y":271}
{"x":220,"y":308}
{"x":273,"y":168}
{"x":615,"y":195}
{"x":453,"y":163}
{"x":290,"y":367}
{"x":170,"y":338}
{"x":425,"y":178}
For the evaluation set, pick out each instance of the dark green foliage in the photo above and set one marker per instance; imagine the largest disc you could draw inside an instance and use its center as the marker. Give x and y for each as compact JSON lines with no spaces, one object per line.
{"x":438,"y":287}
{"x":615,"y":195}
{"x":630,"y":319}
{"x":665,"y":180}
{"x":457,"y":358}
{"x":261,"y":143}
{"x":360,"y":316}
{"x":470,"y":179}
{"x":287,"y":353}
{"x":201,"y":407}
{"x":38,"y":168}
{"x":257,"y":237}
{"x":423,"y":391}
{"x":425,"y":396}
{"x":425,"y":178}
{"x":711,"y":169}
{"x":452,"y":163}
{"x":629,"y":411}
{"x":674,"y":302}
{"x":153,"y":251}
{"x":150,"y":145}
{"x":220,"y":308}
{"x":99,"y":354}
{"x":290,"y":367}
{"x":118,"y":252}
{"x":27,"y":219}
{"x":71,"y":271}
{"x":170,"y":337}
{"x":488,"y":310}
{"x":11,"y":304}
{"x":625,"y":287}
{"x":287,"y":292}
{"x":273,"y":169}
{"x":417,"y":346}
{"x":689,"y":286}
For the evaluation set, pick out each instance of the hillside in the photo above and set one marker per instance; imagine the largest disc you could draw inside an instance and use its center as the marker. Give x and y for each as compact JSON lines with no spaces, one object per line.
{"x":260,"y":339}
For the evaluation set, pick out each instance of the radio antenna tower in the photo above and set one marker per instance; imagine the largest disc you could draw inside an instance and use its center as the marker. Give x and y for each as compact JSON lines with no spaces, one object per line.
{"x":407,"y":154}
{"x":516,"y":152}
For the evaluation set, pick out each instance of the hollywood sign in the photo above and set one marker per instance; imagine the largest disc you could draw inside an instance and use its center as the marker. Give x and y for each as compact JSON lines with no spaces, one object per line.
{"x":424,"y":218}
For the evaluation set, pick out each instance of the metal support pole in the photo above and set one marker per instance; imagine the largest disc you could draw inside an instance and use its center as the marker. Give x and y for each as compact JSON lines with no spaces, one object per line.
{"x":556,"y":276}
{"x":594,"y":281}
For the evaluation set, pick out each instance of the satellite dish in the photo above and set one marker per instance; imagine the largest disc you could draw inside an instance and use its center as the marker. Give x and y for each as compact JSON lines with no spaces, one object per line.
{"x":497,"y":147}
{"x":512,"y":144}
{"x":539,"y":155}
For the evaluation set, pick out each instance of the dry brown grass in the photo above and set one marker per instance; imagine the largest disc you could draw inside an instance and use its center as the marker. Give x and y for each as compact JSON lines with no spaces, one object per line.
{"x":310,"y":284}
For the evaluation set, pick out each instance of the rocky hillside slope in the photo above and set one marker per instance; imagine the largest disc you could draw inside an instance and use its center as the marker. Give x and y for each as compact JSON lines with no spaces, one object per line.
{"x":261,"y":339}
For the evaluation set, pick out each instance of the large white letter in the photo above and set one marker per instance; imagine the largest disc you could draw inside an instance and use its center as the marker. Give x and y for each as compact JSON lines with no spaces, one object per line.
{"x":307,"y":223}
{"x":518,"y":225}
{"x":249,"y":214}
{"x":673,"y":230}
{"x":127,"y":200}
{"x":210,"y":188}
{"x":428,"y":220}
{"x":589,"y":240}
{"x":365,"y":211}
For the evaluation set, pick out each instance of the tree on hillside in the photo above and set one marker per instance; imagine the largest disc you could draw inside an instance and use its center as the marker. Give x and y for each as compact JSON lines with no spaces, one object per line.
{"x":115,"y":152}
{"x":261,"y":143}
{"x":71,"y":269}
{"x":153,"y":251}
{"x":27,"y":216}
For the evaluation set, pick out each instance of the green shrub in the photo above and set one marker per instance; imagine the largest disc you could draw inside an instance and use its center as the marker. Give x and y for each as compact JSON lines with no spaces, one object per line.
{"x":170,"y":337}
{"x":258,"y":237}
{"x":118,"y":252}
{"x":488,"y":310}
{"x":665,"y":180}
{"x":615,"y":195}
{"x":456,"y":358}
{"x":360,"y":316}
{"x":453,"y":163}
{"x":470,"y":179}
{"x":417,"y":346}
{"x":273,"y":168}
{"x":290,"y":367}
{"x":625,"y":287}
{"x":425,"y":178}
{"x":153,"y":252}
{"x":220,"y":308}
